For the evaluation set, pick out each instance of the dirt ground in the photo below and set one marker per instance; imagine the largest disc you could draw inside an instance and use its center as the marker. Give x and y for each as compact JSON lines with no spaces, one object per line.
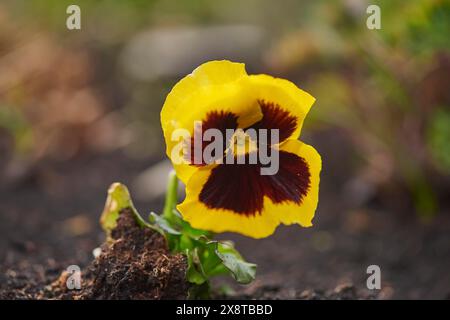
{"x":49,"y":220}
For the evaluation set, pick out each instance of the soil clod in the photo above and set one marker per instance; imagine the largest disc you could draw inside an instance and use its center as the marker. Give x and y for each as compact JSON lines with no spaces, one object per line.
{"x":134,"y":264}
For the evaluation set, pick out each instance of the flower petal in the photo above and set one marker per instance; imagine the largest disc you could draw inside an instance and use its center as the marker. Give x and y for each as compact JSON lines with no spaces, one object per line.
{"x":213,"y":86}
{"x":280,"y":96}
{"x":237,"y":198}
{"x":275,"y":117}
{"x":221,"y":121}
{"x":303,"y":212}
{"x":220,"y":220}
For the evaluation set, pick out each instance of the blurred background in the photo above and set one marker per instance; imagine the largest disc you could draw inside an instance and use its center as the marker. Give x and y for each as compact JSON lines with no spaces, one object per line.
{"x":79,"y":109}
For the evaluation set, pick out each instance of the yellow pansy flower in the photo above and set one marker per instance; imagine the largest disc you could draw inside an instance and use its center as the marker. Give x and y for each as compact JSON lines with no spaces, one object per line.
{"x":222,"y":196}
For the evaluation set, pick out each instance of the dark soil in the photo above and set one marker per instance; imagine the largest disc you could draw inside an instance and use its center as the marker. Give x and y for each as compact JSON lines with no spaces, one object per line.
{"x":345,"y":291}
{"x":134,"y":264}
{"x":49,"y":220}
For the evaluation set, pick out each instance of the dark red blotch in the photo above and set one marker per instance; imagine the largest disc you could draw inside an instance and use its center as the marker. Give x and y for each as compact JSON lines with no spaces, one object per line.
{"x":241,"y":187}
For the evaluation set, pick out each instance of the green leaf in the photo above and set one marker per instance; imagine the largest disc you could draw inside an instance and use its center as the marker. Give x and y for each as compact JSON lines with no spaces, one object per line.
{"x":242,"y":271}
{"x":211,"y":262}
{"x":162,"y":223}
{"x":195,"y":272}
{"x":212,"y":258}
{"x":118,"y":200}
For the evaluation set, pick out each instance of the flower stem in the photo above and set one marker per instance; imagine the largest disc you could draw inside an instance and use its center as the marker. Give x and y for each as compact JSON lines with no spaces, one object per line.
{"x":171,"y":195}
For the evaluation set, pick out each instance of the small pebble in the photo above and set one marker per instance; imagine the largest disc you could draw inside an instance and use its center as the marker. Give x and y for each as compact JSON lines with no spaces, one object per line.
{"x":97,"y":252}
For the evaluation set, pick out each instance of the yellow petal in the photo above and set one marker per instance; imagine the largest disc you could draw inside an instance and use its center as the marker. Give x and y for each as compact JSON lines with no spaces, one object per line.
{"x":213,"y":86}
{"x":258,"y":225}
{"x":219,"y":220}
{"x":292,"y":213}
{"x":283,"y":93}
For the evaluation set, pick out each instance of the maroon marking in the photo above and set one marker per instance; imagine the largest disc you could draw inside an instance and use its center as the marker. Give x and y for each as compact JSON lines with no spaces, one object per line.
{"x":220,"y":120}
{"x":241,"y":187}
{"x":275,"y":117}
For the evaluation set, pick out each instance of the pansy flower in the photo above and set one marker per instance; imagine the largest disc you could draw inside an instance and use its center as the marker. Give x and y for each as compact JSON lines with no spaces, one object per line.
{"x":236,"y":197}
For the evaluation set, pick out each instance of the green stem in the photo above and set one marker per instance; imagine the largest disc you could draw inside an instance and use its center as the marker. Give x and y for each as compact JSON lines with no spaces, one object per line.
{"x":171,"y":195}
